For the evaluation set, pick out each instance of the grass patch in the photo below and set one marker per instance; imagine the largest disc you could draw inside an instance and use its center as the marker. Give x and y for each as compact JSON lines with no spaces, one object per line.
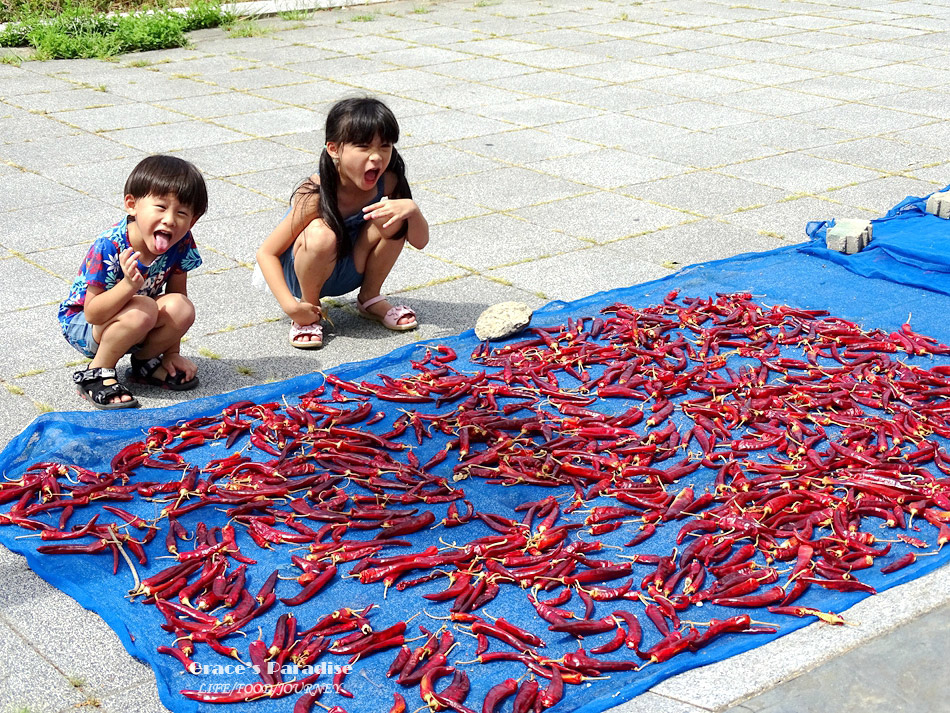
{"x":295,"y":15}
{"x":13,"y":389}
{"x":208,"y":354}
{"x":42,"y":407}
{"x":82,"y":31}
{"x":244,"y":370}
{"x":14,"y":59}
{"x":248,"y":28}
{"x":363,"y":18}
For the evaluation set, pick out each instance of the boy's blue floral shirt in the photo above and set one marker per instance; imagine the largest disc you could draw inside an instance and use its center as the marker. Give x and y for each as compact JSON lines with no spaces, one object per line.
{"x":101,"y":267}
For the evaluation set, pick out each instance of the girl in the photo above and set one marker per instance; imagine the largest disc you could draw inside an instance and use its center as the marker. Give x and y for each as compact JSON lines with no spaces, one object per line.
{"x":346,"y":226}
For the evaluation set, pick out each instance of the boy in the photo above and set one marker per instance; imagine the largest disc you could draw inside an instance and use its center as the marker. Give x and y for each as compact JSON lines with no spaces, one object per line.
{"x":116,"y":304}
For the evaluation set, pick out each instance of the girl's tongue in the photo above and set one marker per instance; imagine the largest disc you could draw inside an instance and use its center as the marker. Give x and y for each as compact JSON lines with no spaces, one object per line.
{"x":162,"y":241}
{"x":371,"y":176}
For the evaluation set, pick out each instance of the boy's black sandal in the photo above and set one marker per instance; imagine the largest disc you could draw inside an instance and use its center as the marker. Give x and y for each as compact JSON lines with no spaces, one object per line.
{"x":143,"y":371}
{"x":89,"y":384}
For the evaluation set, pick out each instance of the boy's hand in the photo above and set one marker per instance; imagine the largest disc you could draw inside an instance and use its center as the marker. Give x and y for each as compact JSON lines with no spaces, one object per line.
{"x":175,"y":363}
{"x":304,"y":313}
{"x":392,"y":210}
{"x":129,"y":262}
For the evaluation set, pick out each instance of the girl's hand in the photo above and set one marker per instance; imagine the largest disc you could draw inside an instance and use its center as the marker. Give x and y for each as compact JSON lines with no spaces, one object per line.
{"x":392,"y":211}
{"x":175,"y":363}
{"x":129,"y":262}
{"x":305,"y":313}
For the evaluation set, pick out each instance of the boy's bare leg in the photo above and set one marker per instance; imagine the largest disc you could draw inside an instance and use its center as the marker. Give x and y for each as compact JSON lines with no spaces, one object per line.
{"x":176,"y":314}
{"x":378,"y":254}
{"x":128,"y":328}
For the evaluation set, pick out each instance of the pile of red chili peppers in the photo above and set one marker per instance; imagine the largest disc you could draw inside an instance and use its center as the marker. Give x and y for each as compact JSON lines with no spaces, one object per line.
{"x":674,"y":463}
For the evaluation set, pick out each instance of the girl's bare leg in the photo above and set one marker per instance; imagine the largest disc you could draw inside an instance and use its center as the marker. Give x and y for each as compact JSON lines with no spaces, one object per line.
{"x":374,"y":254}
{"x":314,"y":260}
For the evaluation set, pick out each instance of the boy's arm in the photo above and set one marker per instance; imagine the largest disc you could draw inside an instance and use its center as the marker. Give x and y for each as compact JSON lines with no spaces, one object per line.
{"x":177,"y":282}
{"x":102,"y":305}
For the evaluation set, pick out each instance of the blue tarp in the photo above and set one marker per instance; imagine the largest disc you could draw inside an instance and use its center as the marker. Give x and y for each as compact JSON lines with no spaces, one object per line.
{"x":876,"y":289}
{"x":908,"y":247}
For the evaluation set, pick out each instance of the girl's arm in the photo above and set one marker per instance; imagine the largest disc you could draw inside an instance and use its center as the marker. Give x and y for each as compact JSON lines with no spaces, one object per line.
{"x":397,"y":209}
{"x":302,"y":212}
{"x":418,"y":234}
{"x":102,"y":305}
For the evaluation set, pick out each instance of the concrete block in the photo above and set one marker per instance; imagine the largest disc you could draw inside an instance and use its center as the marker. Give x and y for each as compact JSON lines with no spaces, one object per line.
{"x":939,"y":204}
{"x":848,"y":235}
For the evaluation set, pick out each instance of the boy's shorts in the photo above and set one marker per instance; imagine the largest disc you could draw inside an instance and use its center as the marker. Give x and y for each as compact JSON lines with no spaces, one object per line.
{"x":78,"y":332}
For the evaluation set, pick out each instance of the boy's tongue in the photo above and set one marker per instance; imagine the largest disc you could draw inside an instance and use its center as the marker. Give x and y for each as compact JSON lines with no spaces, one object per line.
{"x":161,"y":242}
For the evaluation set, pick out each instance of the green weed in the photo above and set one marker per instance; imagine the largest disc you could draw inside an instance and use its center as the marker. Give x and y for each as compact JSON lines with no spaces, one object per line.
{"x":248,"y":28}
{"x":82,"y":30}
{"x":292,"y":15}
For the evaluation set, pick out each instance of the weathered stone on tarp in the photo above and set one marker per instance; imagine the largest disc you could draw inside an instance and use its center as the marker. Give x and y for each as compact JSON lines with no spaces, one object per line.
{"x":502,"y":320}
{"x":939,"y":204}
{"x":848,"y":235}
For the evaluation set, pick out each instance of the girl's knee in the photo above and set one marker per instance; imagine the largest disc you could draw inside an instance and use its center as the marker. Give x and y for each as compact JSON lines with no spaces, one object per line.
{"x":317,"y":242}
{"x":376,"y":231}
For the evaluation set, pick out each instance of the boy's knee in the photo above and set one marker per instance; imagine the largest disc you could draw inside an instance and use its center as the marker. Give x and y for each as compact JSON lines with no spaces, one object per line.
{"x":178,"y":310}
{"x":141,"y":313}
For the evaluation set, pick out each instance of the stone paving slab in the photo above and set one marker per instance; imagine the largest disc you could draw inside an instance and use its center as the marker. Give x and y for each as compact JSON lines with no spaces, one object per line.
{"x":557,"y":149}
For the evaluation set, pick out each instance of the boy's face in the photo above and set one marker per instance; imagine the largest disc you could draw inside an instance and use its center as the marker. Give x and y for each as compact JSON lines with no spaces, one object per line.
{"x":160,"y":222}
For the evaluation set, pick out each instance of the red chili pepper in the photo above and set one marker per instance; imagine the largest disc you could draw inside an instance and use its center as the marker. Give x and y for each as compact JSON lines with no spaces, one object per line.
{"x":899,"y":563}
{"x":497,"y":694}
{"x":311,"y":589}
{"x":580,"y":628}
{"x":526,"y":696}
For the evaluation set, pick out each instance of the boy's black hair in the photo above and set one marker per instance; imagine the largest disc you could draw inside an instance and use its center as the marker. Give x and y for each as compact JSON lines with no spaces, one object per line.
{"x":356,"y":120}
{"x":163,"y":175}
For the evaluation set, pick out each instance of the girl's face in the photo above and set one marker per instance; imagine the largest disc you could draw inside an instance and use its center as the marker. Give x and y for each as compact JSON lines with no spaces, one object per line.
{"x":361,"y":165}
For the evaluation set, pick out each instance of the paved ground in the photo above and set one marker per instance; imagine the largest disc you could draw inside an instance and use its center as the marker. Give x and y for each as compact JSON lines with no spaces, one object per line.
{"x":558,"y":148}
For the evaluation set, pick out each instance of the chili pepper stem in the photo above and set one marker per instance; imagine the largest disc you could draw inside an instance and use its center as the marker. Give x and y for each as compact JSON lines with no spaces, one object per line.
{"x":135,"y":574}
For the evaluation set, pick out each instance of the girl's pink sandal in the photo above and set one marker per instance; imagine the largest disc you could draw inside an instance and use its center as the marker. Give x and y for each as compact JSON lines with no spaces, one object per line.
{"x":313,"y":331}
{"x":390,"y":320}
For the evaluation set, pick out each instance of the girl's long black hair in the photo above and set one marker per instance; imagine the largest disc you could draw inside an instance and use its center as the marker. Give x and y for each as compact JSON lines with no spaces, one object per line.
{"x":355,"y":121}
